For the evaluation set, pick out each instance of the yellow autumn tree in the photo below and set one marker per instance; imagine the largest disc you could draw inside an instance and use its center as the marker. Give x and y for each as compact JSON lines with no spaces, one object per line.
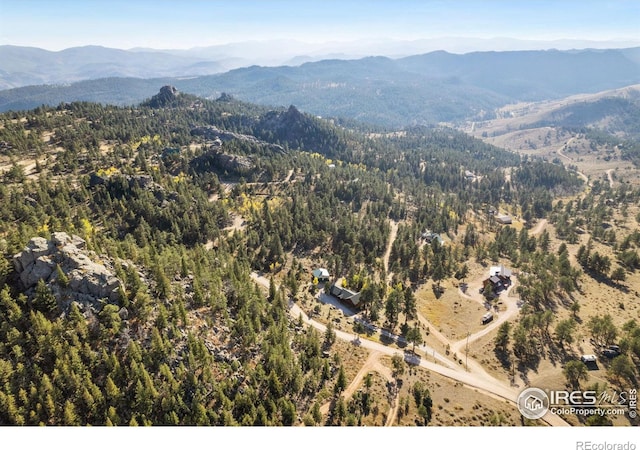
{"x":87,"y":228}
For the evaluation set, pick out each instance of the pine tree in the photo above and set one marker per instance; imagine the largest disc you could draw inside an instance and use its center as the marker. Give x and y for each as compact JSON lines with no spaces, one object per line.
{"x":409,"y":305}
{"x":502,"y":338}
{"x":329,"y":335}
{"x":61,"y":278}
{"x":44,"y":300}
{"x":70,"y":417}
{"x":618,"y":274}
{"x":564,"y":331}
{"x":414,"y":336}
{"x":341,"y":382}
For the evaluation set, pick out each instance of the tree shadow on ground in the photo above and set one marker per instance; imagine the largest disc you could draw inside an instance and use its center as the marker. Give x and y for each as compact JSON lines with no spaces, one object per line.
{"x":503,"y":357}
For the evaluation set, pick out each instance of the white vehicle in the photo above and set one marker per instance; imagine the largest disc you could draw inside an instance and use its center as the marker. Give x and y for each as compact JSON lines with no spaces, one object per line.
{"x":588,"y":358}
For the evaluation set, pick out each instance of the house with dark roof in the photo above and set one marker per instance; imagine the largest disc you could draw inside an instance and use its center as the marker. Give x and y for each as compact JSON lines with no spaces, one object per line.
{"x":430,"y":236}
{"x":345,"y":295}
{"x":499,"y":279}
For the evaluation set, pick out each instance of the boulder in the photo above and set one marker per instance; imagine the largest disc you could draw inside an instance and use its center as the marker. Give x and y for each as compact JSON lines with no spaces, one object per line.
{"x":60,"y":239}
{"x":40,"y":269}
{"x":223,"y":162}
{"x":38,"y":246}
{"x":123,"y":313}
{"x":218,"y":136}
{"x":89,"y":282}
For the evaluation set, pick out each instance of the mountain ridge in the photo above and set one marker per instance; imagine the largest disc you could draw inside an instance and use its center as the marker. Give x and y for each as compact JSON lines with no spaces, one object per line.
{"x":21,"y":66}
{"x":421,"y":89}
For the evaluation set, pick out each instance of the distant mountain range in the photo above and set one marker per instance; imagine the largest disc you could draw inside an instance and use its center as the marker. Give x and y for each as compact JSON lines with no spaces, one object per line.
{"x":422,"y":89}
{"x":23,"y":66}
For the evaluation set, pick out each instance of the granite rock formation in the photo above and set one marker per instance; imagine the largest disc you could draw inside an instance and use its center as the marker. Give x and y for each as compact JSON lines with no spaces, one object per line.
{"x":87,"y":282}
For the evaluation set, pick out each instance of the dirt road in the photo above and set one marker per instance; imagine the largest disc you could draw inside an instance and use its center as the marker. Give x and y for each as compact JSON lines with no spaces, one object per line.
{"x":610,"y":177}
{"x":387,"y":253}
{"x":562,"y":155}
{"x":478,"y":379}
{"x":372,"y":364}
{"x":511,"y":312}
{"x":542,"y":223}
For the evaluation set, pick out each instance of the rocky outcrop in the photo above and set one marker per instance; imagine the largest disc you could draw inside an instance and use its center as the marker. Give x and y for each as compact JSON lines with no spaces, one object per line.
{"x":214,"y":134}
{"x":298,"y":130}
{"x":87,"y":282}
{"x":233,"y":163}
{"x":169,"y":92}
{"x":224,"y":97}
{"x":290,"y":124}
{"x":167,"y":96}
{"x":216,"y":160}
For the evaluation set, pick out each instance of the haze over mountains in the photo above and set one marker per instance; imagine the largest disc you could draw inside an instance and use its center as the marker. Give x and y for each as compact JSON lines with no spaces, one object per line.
{"x":24,"y":66}
{"x":422,"y":89}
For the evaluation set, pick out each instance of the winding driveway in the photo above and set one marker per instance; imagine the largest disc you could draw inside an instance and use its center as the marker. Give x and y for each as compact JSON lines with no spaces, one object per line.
{"x":478,"y":379}
{"x":392,"y":237}
{"x":559,"y":151}
{"x":610,"y":177}
{"x":372,"y":364}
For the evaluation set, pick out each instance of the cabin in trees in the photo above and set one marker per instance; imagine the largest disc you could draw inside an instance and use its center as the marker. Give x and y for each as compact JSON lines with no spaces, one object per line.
{"x":499,"y":279}
{"x":321,"y":274}
{"x":345,"y":295}
{"x":430,"y":236}
{"x":500,"y":271}
{"x":504,"y":219}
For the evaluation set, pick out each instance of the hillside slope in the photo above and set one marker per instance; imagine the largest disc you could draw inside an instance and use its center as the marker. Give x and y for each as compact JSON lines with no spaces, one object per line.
{"x":156,"y":268}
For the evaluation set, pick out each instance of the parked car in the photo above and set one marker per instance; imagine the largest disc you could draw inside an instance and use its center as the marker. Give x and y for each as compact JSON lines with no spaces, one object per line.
{"x":611,"y":352}
{"x":488,"y":317}
{"x":588,"y":359}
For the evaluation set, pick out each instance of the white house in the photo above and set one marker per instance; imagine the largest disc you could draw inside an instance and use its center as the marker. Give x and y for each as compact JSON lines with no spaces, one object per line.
{"x":500,"y":271}
{"x":321,"y":274}
{"x":504,"y":219}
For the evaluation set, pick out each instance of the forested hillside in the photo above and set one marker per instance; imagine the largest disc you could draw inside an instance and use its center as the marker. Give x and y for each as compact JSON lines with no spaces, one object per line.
{"x":185,"y":201}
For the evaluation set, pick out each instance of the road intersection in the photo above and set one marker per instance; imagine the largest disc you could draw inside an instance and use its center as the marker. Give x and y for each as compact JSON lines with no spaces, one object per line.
{"x":476,"y":377}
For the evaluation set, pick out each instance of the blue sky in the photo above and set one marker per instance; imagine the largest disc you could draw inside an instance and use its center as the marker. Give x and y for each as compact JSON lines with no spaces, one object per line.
{"x":58,"y":24}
